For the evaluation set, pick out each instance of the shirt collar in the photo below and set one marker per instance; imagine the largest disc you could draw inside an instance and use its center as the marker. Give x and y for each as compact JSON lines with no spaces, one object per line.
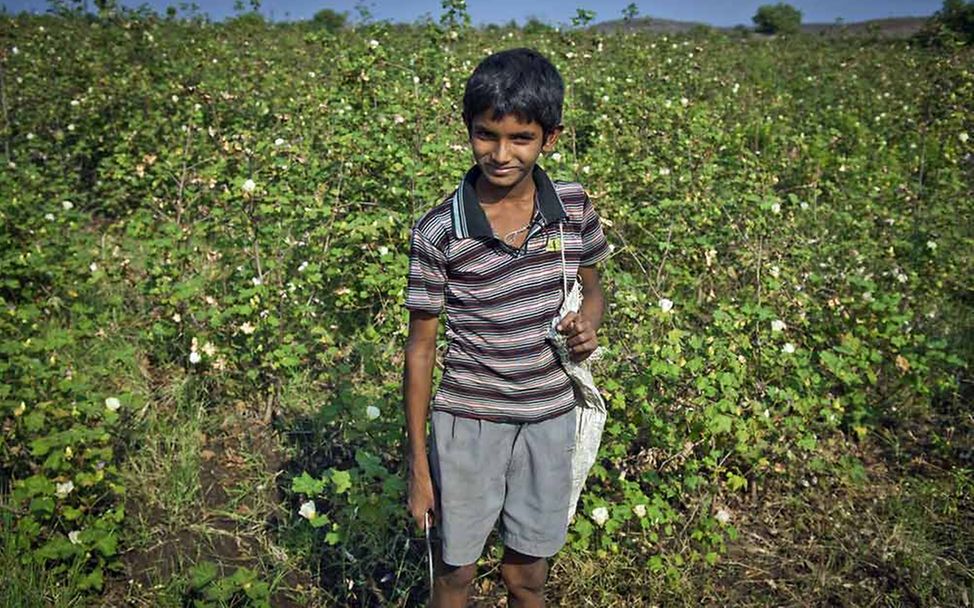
{"x":470,"y":221}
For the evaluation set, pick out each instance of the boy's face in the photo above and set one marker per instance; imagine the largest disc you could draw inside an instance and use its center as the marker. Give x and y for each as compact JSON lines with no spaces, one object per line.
{"x":507,"y":149}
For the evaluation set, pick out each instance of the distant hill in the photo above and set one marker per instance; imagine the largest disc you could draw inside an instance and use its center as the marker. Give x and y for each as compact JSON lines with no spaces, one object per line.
{"x":893,"y":27}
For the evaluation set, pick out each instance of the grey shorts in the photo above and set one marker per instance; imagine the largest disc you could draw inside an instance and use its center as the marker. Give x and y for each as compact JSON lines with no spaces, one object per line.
{"x":518,"y":471}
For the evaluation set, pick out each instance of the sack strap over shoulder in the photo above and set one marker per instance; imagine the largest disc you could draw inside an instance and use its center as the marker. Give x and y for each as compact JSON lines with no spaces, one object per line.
{"x":564,"y":265}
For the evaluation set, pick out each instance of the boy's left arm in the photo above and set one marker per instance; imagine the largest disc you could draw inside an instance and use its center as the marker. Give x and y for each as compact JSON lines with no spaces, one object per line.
{"x":582,"y":327}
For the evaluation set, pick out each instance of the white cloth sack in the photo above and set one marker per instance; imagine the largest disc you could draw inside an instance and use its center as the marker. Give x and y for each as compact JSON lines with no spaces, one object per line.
{"x":590,"y":409}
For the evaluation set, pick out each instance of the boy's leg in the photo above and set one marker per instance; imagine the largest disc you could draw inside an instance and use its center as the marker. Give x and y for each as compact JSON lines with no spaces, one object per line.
{"x":524,"y":576}
{"x":451,"y":584}
{"x":468,"y":462}
{"x":535,"y":514}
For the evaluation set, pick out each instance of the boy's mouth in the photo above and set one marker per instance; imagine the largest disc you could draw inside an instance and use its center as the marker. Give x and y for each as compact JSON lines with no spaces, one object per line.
{"x":494,"y":170}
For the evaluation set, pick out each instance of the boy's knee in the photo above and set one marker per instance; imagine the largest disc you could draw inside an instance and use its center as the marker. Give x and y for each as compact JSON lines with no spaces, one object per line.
{"x":525,"y":577}
{"x":456,"y":577}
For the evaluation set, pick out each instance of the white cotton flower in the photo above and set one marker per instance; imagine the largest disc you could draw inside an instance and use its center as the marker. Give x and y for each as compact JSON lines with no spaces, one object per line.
{"x":774,"y":271}
{"x":49,"y":217}
{"x":93,"y":267}
{"x":932,"y":245}
{"x":67,"y":205}
{"x":639,"y":510}
{"x":777,"y":325}
{"x":736,"y":88}
{"x":209,"y":349}
{"x":175,"y":98}
{"x":600,"y":515}
{"x":454,"y":35}
{"x":177,"y":318}
{"x":247,"y":328}
{"x":666,"y":304}
{"x":383,"y":250}
{"x":963,"y":137}
{"x":256,"y":281}
{"x":586,"y":169}
{"x":684,"y":102}
{"x":664,"y":171}
{"x":372,"y":412}
{"x":803,"y":205}
{"x":74,"y":536}
{"x":398,"y":119}
{"x":373,"y":43}
{"x":415,"y":79}
{"x":75,"y":103}
{"x":556,"y":157}
{"x":775,"y":208}
{"x":63,"y":489}
{"x":15,"y":51}
{"x":194,"y":357}
{"x":303,"y":265}
{"x":249,"y":186}
{"x":112,"y":404}
{"x":788,"y":348}
{"x":308,"y":510}
{"x":30,"y":136}
{"x":867,"y":296}
{"x":723,"y":516}
{"x":279,"y":142}
{"x":71,"y":126}
{"x":902,"y":278}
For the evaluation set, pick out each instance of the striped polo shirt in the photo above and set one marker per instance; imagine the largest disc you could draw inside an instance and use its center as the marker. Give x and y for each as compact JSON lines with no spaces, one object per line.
{"x":499,"y":300}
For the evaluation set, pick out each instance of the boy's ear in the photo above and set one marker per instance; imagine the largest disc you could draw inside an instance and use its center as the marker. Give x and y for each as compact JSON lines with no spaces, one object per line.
{"x":552,"y":137}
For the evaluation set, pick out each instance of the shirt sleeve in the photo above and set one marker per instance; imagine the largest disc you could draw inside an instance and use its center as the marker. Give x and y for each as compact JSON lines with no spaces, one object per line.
{"x":427,"y":275}
{"x":594,"y":246}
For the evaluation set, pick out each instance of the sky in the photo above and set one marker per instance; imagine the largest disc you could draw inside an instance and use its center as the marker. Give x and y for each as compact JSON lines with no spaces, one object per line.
{"x":713,"y":12}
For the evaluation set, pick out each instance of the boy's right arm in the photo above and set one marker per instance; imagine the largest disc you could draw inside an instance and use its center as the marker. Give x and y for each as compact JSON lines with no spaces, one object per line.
{"x":417,"y":388}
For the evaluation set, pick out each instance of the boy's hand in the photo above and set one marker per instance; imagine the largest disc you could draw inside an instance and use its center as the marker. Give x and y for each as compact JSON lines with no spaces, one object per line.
{"x":580,"y":334}
{"x":421,"y":499}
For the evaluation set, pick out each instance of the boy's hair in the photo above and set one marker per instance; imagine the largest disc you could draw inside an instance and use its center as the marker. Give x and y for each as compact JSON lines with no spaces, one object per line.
{"x":519,"y":82}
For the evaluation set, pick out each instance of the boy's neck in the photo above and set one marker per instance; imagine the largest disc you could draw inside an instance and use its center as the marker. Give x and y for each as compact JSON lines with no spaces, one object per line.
{"x":488,"y":194}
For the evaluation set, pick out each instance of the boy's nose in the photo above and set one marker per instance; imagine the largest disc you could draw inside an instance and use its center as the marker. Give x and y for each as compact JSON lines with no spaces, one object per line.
{"x":501,"y":154}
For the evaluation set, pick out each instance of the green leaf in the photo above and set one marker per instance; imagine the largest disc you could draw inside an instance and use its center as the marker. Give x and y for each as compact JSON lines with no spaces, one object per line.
{"x":202,"y":574}
{"x":106,"y":544}
{"x":56,"y":548}
{"x":92,"y":580}
{"x":42,"y":505}
{"x":308,"y":485}
{"x":720,"y":423}
{"x":342,"y":481}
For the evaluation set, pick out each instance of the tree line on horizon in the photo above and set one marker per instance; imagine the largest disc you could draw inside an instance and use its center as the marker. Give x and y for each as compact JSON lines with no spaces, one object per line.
{"x":955,"y":18}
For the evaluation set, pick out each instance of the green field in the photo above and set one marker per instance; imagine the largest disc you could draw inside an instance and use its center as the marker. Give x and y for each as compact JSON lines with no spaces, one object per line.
{"x":202,"y":269}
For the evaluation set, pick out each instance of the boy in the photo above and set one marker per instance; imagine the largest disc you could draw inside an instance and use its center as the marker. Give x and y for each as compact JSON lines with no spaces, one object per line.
{"x":503,"y":418}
